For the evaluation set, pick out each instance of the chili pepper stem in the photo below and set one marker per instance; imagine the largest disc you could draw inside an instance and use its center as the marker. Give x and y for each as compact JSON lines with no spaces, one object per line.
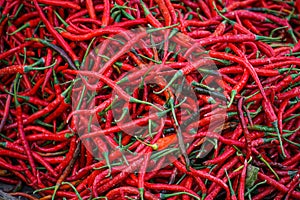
{"x":166,"y":196}
{"x":153,"y":146}
{"x":19,"y":29}
{"x":134,"y":100}
{"x":179,"y":136}
{"x":233,"y":94}
{"x":275,"y":125}
{"x":268,"y":165}
{"x":178,"y":74}
{"x":230,"y":185}
{"x":141,"y":191}
{"x":106,"y":157}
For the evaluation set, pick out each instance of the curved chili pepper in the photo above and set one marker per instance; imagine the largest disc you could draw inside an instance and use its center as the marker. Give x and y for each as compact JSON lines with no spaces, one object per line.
{"x":21,"y":128}
{"x":57,"y":36}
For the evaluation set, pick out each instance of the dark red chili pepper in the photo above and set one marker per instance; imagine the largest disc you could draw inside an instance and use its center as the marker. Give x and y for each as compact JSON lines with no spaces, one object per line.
{"x":177,"y":188}
{"x":6,"y":110}
{"x":9,"y":181}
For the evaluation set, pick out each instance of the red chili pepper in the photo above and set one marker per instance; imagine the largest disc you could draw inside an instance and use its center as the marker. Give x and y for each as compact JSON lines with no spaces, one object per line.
{"x":8,"y":166}
{"x":151,"y":19}
{"x":263,"y":69}
{"x":95,"y":33}
{"x":141,"y":176}
{"x":290,"y":94}
{"x":13,"y":50}
{"x":117,"y":193}
{"x":65,"y":4}
{"x":22,"y":194}
{"x":64,"y":105}
{"x":4,"y":152}
{"x":172,"y":12}
{"x":225,"y":166}
{"x":57,"y":36}
{"x":293,"y":184}
{"x":202,"y":174}
{"x":121,"y":176}
{"x":277,"y":185}
{"x":241,"y":190}
{"x":44,"y":111}
{"x":25,"y":17}
{"x":163,"y":143}
{"x":91,"y":10}
{"x":244,"y":127}
{"x":21,"y":129}
{"x":41,"y":137}
{"x":280,"y":115}
{"x":106,"y":13}
{"x":165,"y":12}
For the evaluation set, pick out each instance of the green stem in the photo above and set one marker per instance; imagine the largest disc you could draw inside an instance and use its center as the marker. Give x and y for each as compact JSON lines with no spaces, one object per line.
{"x":276,"y":29}
{"x":268,"y":165}
{"x":28,"y":68}
{"x":61,"y":19}
{"x":106,"y":157}
{"x":26,"y":25}
{"x":232,"y":96}
{"x":254,"y":187}
{"x":165,"y":196}
{"x":229,"y":184}
{"x":275,"y":125}
{"x":72,"y":186}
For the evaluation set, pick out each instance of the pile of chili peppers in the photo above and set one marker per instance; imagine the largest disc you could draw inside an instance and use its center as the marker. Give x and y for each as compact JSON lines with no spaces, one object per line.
{"x":253,"y":154}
